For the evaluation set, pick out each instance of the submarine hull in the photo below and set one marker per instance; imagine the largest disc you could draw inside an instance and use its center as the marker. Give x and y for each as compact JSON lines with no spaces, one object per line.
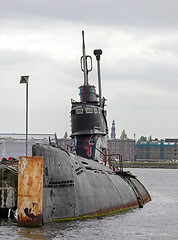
{"x":76,"y":187}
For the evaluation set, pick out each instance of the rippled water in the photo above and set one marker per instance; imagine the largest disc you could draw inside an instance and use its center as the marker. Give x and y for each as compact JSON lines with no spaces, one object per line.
{"x":157,"y":220}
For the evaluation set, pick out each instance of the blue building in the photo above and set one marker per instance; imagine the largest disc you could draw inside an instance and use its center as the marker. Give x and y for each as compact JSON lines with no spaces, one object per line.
{"x":163,"y":150}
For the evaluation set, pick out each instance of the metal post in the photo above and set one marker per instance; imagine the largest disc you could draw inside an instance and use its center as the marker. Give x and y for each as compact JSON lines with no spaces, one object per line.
{"x":120,"y":164}
{"x":26,"y":119}
{"x":24,"y":79}
{"x":98,"y":53}
{"x":84,"y":62}
{"x":134,"y":149}
{"x":99,"y":82}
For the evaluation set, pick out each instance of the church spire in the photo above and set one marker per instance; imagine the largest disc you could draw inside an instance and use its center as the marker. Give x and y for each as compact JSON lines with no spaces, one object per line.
{"x":113,"y":130}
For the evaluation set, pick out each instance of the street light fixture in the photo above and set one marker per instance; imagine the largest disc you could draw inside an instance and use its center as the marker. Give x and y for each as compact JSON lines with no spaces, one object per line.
{"x":24,"y":79}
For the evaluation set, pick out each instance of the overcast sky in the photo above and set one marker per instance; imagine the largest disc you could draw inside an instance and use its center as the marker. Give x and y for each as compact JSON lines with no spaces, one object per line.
{"x":42,"y":39}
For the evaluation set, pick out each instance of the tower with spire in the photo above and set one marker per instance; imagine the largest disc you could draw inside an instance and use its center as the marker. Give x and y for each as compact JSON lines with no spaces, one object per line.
{"x":113,"y":130}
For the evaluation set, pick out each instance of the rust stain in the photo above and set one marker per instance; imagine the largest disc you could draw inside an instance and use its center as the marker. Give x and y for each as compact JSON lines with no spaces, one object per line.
{"x":122,"y":207}
{"x":134,"y":204}
{"x":30,"y":191}
{"x":28,"y":222}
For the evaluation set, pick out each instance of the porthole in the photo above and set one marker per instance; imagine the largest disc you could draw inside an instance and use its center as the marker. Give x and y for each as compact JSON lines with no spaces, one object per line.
{"x":89,"y":110}
{"x":95,"y":110}
{"x":79,"y":111}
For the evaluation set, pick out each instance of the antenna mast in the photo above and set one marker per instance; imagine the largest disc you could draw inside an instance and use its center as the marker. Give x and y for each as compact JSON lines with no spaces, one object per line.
{"x":98,"y":53}
{"x":83,"y":60}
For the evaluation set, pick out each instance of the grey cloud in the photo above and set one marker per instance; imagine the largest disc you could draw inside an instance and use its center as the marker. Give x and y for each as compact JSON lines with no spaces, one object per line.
{"x":162,"y":75}
{"x":53,"y":81}
{"x":152,"y":13}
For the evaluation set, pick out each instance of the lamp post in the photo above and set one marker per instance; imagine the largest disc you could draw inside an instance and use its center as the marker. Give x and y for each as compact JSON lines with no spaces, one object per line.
{"x":24,"y":79}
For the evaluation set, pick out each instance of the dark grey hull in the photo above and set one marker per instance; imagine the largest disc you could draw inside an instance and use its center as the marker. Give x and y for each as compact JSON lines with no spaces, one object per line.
{"x":75,"y":187}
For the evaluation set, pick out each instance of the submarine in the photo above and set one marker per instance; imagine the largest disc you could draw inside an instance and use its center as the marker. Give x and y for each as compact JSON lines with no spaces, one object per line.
{"x":83,"y":182}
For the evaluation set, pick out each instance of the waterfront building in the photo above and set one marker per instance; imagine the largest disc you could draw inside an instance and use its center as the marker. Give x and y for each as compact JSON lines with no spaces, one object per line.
{"x":155,"y":151}
{"x":125,"y":147}
{"x":14,"y":145}
{"x":171,"y":140}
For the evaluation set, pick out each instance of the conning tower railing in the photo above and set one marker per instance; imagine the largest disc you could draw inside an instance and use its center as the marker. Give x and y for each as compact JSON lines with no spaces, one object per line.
{"x":112,"y":162}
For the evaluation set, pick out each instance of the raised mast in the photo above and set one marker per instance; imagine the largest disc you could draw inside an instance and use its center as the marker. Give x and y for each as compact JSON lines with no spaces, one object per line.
{"x":98,"y":53}
{"x":84,"y":65}
{"x":84,"y":58}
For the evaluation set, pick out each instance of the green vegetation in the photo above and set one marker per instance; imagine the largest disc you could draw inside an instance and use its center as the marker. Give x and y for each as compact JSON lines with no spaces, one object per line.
{"x":65,"y":135}
{"x":145,"y":139}
{"x":172,"y":165}
{"x":93,"y":215}
{"x":123,"y":135}
{"x":97,"y":215}
{"x":142,"y":139}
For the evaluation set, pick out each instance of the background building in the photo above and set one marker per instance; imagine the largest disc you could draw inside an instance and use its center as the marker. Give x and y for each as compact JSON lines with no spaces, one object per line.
{"x":14,"y":145}
{"x":125,"y":147}
{"x":160,"y":150}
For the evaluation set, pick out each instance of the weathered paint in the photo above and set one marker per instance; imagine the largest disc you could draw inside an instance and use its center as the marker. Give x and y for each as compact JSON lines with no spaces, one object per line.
{"x":30,"y":191}
{"x":101,"y":213}
{"x":76,"y":187}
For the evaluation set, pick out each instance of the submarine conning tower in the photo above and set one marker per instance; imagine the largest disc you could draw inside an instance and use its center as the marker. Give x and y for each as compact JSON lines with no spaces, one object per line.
{"x":88,"y":116}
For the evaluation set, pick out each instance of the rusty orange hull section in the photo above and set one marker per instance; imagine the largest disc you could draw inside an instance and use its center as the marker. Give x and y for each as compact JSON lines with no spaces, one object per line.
{"x":30,"y":191}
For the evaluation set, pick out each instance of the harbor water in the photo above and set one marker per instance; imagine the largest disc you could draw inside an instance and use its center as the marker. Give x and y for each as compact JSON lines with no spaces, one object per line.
{"x":156,"y":220}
